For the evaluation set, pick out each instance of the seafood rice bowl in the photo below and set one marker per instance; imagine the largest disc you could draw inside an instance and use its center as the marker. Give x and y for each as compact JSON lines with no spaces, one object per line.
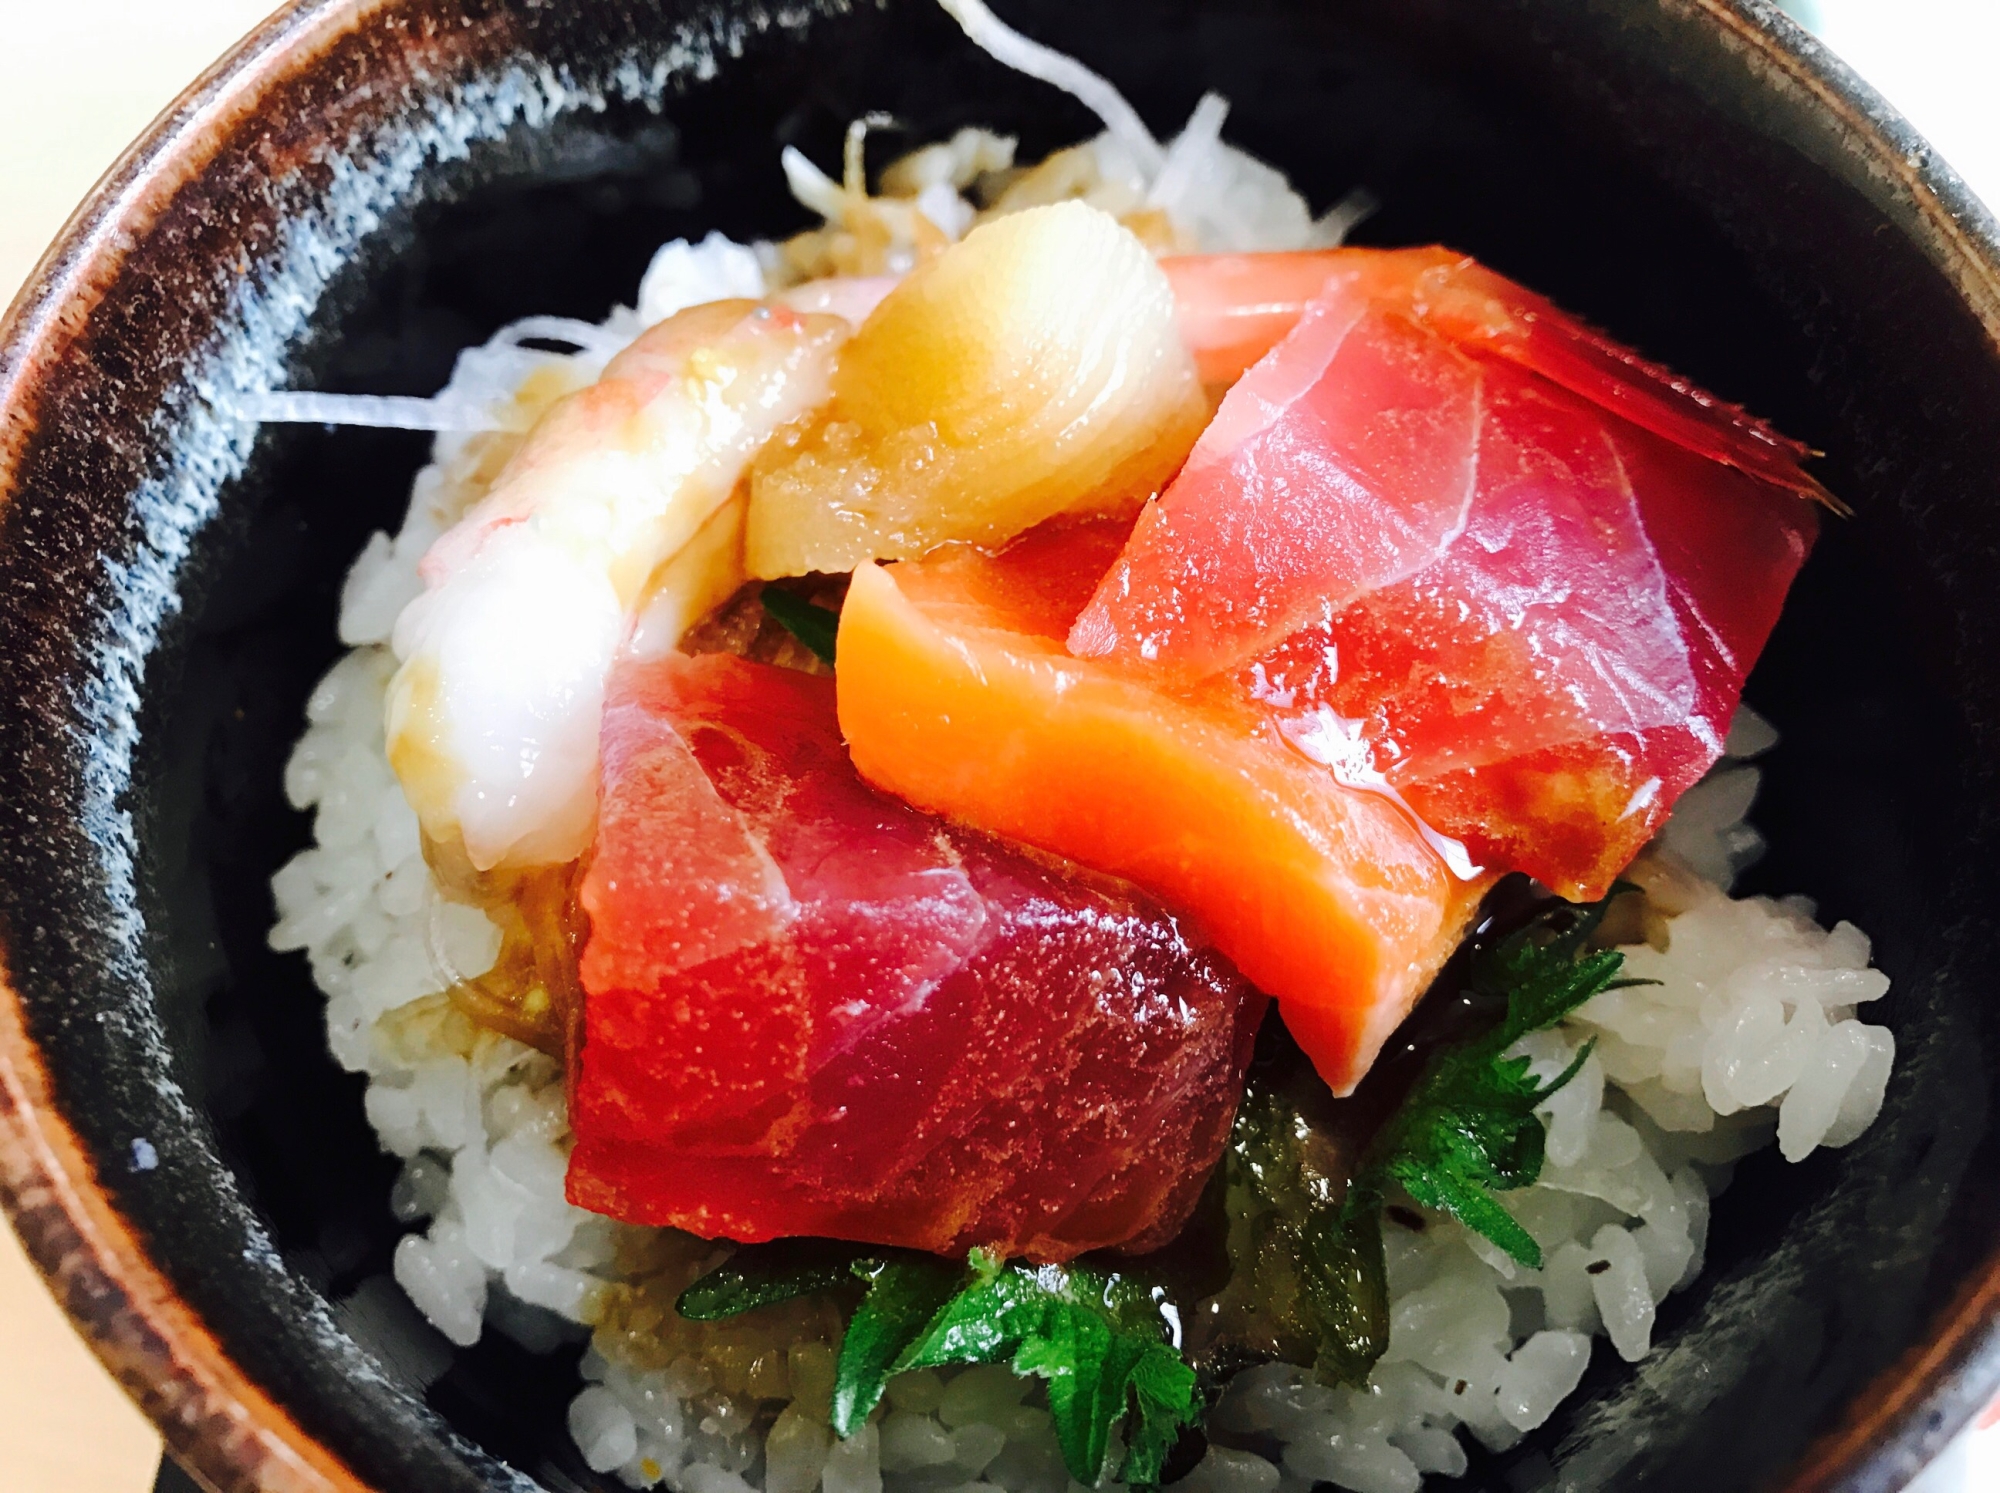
{"x":1060,"y":833}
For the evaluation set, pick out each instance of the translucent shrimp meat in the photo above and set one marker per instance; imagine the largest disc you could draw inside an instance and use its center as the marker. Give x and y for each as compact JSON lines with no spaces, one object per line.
{"x":493,"y":715}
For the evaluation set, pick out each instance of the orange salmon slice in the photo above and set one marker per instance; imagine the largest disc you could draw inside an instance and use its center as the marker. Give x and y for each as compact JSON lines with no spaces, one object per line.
{"x":957,"y":694}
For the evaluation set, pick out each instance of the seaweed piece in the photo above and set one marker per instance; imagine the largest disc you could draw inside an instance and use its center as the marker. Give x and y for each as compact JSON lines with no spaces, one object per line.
{"x":1467,"y":1129}
{"x":1317,"y":1264}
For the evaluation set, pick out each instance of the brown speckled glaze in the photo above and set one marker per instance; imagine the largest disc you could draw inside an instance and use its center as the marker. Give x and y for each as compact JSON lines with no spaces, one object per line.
{"x":159,"y":1350}
{"x":360,"y":187}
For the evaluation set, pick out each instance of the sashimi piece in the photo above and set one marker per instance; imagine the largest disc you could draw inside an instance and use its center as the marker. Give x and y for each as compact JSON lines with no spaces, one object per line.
{"x":812,"y":1010}
{"x":620,"y":499}
{"x":1234,"y":308}
{"x":1344,"y":465}
{"x":1546,"y":688}
{"x":958,"y":695}
{"x":1533,"y":620}
{"x":1315,"y":426}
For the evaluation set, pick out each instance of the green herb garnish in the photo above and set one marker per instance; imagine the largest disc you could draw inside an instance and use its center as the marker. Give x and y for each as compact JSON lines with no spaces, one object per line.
{"x":814,"y":626}
{"x":765,"y":1274}
{"x":1467,"y":1128}
{"x":905,"y":1295}
{"x":1097,"y":1336}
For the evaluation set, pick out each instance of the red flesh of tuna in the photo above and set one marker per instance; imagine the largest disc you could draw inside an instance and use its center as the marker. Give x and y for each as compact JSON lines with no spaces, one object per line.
{"x":813,"y":1010}
{"x":1446,"y":533}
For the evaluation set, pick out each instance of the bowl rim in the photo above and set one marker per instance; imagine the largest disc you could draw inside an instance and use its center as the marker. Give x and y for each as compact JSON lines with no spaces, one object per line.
{"x":224,"y":1427}
{"x":215,"y":1421}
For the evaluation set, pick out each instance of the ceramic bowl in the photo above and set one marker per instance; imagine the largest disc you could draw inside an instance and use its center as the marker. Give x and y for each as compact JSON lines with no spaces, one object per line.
{"x":364,"y":186}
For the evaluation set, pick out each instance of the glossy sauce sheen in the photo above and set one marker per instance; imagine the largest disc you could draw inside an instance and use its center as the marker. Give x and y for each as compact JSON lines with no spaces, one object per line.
{"x":814,"y":1010}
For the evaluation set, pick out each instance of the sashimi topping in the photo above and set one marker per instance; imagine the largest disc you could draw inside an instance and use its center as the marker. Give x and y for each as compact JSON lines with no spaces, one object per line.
{"x":813,"y":1010}
{"x":1341,"y":464}
{"x":1544,"y":690}
{"x":956,"y":694}
{"x":621,"y":501}
{"x":1234,"y":308}
{"x":1531,"y":616}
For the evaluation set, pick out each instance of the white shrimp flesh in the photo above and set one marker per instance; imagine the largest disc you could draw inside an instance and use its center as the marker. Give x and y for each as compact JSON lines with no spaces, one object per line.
{"x":622,"y":500}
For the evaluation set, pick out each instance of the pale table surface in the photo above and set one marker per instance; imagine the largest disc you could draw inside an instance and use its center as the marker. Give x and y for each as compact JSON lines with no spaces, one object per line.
{"x":80,"y":78}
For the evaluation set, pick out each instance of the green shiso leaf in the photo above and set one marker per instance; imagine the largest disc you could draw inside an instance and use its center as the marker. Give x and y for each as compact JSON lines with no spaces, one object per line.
{"x":765,"y":1274}
{"x":814,"y":626}
{"x":905,"y":1295}
{"x":1165,"y":1402}
{"x":1467,"y":1129}
{"x":1097,"y":1337}
{"x":1099,"y":1340}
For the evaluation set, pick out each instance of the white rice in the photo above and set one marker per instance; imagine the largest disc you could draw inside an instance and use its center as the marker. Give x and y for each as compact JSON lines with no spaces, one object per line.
{"x":1749,"y":1037}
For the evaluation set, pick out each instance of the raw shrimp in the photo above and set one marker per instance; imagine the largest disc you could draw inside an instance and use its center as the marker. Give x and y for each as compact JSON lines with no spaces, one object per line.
{"x":850,"y":297}
{"x":622,"y":502}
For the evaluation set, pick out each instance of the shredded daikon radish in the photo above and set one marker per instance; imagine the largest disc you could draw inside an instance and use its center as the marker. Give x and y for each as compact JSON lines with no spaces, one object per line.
{"x":1198,"y":137}
{"x":480,"y":395}
{"x":381,"y":411}
{"x":1330,"y":228}
{"x":812,"y":187}
{"x":1219,"y":199}
{"x":585,"y":336}
{"x":1004,"y":44}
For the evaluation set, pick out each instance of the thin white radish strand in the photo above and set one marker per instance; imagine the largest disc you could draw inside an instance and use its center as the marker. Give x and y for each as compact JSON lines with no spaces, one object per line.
{"x":371,"y":411}
{"x":1095,"y":92}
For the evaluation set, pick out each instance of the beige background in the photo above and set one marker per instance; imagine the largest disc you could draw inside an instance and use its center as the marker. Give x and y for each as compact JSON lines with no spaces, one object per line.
{"x":80,"y":78}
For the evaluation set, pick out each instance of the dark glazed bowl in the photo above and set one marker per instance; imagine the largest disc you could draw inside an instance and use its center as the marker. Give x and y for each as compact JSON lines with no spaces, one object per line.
{"x":366,"y":185}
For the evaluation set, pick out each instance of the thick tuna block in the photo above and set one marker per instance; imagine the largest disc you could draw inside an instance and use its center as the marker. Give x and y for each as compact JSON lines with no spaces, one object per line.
{"x":812,"y":1009}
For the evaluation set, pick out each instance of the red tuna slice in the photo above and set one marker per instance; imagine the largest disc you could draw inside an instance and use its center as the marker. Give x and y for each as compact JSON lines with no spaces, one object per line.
{"x":1342,"y":462}
{"x":1234,"y":308}
{"x":1487,"y":312}
{"x":1548,"y":686}
{"x":908,"y":1034}
{"x":1529,"y":615}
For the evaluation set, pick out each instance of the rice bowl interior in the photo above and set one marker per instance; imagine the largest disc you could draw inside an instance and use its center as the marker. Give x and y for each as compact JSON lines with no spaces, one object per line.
{"x":1738,"y":1027}
{"x":477,"y":1154}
